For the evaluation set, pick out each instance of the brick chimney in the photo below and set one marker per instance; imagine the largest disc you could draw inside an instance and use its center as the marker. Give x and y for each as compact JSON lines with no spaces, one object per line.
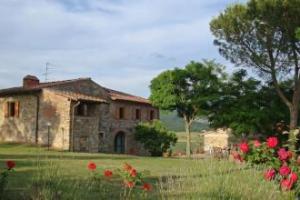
{"x":30,"y":81}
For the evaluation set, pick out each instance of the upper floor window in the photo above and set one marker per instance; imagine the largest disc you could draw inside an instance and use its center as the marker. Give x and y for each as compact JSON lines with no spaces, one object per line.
{"x":11,"y":109}
{"x":152,"y":115}
{"x":121,"y":113}
{"x":82,"y":110}
{"x":137,"y":114}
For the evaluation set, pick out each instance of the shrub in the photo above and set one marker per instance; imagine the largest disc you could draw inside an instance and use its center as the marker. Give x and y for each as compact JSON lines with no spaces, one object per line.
{"x":155,"y":137}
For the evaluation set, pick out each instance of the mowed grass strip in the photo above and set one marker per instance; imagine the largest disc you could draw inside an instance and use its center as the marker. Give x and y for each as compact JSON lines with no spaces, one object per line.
{"x":67,"y":174}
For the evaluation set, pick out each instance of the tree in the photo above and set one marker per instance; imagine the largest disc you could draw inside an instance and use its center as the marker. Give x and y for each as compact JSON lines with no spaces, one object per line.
{"x":245,"y":107}
{"x":262,"y":35}
{"x":155,"y":137}
{"x":188,"y":91}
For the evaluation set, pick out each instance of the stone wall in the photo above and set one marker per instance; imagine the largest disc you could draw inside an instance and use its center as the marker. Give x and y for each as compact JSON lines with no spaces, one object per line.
{"x":54,"y":109}
{"x":217,"y":138}
{"x":23,"y":127}
{"x":127,"y":125}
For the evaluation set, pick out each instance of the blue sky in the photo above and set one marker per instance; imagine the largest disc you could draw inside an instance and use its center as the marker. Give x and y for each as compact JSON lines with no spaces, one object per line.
{"x":120,"y":44}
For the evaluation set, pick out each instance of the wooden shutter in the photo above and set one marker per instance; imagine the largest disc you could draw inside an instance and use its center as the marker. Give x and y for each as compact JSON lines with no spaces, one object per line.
{"x":5,"y":109}
{"x":17,"y":108}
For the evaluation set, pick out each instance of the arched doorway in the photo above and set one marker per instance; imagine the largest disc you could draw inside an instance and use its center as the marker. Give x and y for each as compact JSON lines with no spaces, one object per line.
{"x":120,"y":142}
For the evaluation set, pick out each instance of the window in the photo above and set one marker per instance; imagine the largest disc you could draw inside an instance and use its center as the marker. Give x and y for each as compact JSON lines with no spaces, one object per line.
{"x":121,"y":113}
{"x":82,"y":109}
{"x":152,"y":115}
{"x":11,"y":109}
{"x":137,"y":114}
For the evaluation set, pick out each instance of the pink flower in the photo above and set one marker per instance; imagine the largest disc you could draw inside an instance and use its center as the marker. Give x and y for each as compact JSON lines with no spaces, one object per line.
{"x":272,"y":142}
{"x":129,"y":184}
{"x":244,"y":147}
{"x":108,"y":173}
{"x":256,"y":143}
{"x":284,"y":170}
{"x":293,"y":177}
{"x":237,"y":156}
{"x":147,"y":187}
{"x":133,"y":172}
{"x":286,"y":184}
{"x":283,"y":154}
{"x":270,"y":174}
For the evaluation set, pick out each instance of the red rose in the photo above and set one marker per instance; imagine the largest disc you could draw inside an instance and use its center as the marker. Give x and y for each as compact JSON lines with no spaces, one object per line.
{"x":283,"y":154}
{"x":129,"y":184}
{"x":270,"y":174}
{"x":284,"y":170}
{"x":293,"y":177}
{"x":108,"y":173}
{"x":256,"y":143}
{"x":244,"y":147}
{"x":272,"y":142}
{"x":127,"y":167}
{"x":10,"y":164}
{"x":92,"y":166}
{"x":133,"y":172}
{"x":286,"y":184}
{"x":147,"y":187}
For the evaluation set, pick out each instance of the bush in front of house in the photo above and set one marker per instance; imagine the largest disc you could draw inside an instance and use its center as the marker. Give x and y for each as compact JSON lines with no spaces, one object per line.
{"x":155,"y":137}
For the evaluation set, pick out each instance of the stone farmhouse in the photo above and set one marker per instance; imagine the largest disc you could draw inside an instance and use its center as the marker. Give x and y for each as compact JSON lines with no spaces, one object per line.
{"x":75,"y":115}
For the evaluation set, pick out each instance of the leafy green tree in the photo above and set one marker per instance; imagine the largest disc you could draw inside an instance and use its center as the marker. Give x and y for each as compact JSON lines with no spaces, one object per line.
{"x":189,"y":91}
{"x":155,"y":137}
{"x":261,"y":35}
{"x":245,"y":107}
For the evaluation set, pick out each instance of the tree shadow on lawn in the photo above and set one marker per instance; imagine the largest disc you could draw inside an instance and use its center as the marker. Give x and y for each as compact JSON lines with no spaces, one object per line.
{"x":64,"y":157}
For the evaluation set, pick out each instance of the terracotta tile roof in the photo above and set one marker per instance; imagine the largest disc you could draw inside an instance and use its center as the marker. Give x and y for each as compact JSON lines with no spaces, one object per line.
{"x":117,"y":95}
{"x":77,"y":96}
{"x":113,"y":94}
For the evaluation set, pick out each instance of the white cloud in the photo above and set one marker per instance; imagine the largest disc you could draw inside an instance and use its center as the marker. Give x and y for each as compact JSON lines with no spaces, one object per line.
{"x":121,"y":44}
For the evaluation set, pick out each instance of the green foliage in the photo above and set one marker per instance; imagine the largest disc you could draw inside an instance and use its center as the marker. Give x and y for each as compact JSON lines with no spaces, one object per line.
{"x":188,"y":91}
{"x":261,"y":35}
{"x":247,"y":106}
{"x":155,"y":137}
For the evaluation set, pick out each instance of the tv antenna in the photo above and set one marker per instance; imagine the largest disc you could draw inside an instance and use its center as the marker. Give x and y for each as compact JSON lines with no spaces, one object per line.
{"x":47,"y":71}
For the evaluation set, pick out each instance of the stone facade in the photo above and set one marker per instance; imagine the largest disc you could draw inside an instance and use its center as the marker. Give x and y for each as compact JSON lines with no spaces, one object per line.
{"x":218,"y":138}
{"x":75,"y":115}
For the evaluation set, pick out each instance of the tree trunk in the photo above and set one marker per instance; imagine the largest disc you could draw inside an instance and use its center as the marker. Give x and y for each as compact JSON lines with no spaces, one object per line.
{"x":188,"y":138}
{"x":294,"y":117}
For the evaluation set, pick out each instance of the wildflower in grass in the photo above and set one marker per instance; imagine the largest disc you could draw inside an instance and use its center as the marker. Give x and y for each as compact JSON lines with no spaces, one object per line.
{"x":108,"y":173}
{"x":129,"y":184}
{"x":283,"y":154}
{"x":272,"y":142}
{"x":147,"y":187}
{"x":133,"y":172}
{"x":244,"y":147}
{"x":256,"y":143}
{"x":284,"y":170}
{"x":270,"y":174}
{"x":127,"y":167}
{"x":10,"y":164}
{"x":286,"y":184}
{"x":92,"y":166}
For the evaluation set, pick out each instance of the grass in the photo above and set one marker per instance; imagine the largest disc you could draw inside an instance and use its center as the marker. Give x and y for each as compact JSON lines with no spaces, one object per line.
{"x":63,"y":175}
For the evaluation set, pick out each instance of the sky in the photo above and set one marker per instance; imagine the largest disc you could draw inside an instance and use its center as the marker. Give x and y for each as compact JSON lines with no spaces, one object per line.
{"x":121,"y":44}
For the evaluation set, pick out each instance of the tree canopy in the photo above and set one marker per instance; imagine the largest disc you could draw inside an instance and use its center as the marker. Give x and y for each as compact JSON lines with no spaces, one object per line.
{"x":261,"y":35}
{"x":189,"y":91}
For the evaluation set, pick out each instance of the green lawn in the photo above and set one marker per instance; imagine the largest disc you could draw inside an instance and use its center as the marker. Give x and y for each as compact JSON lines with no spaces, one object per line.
{"x":41,"y":174}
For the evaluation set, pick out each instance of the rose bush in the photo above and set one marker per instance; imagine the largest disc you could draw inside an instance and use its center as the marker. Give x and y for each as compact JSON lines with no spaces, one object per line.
{"x":281,"y":163}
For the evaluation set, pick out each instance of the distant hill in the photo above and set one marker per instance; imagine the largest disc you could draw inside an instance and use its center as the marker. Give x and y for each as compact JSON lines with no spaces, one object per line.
{"x":174,"y":123}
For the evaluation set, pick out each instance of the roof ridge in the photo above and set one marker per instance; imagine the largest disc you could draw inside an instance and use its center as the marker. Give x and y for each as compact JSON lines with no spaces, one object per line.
{"x":62,"y":81}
